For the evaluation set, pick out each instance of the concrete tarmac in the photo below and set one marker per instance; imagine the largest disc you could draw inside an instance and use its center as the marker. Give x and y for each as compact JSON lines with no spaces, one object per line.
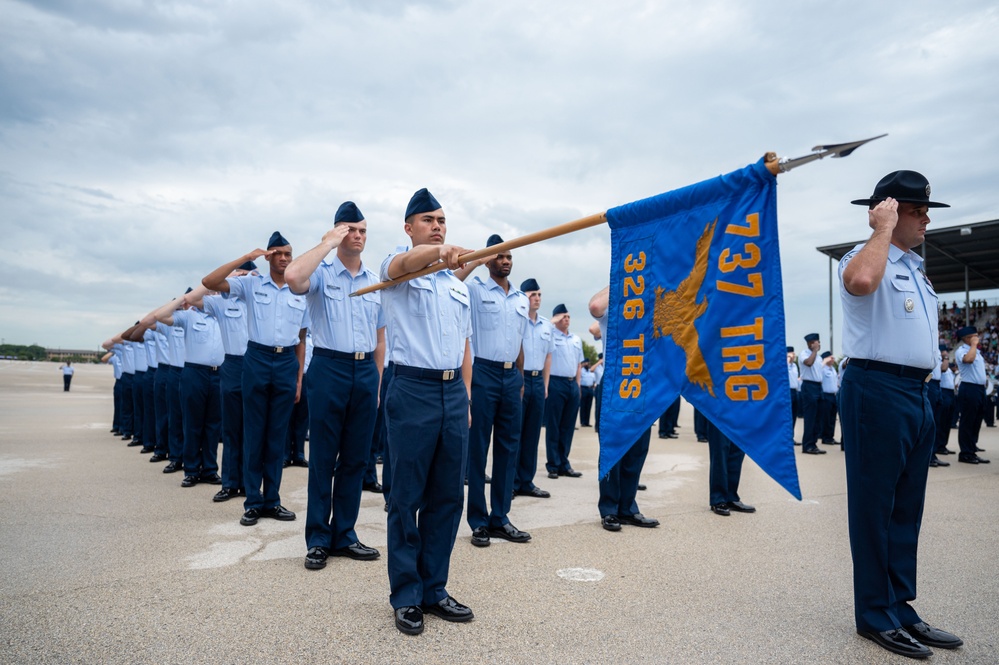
{"x":104,"y":559}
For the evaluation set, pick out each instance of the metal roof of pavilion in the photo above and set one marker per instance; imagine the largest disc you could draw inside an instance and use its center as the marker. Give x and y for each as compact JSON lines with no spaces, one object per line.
{"x":948,"y":251}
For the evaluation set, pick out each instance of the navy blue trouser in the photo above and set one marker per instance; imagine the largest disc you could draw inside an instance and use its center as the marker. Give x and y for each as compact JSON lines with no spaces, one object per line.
{"x":202,"y":419}
{"x":343,"y":403}
{"x":726,"y":467}
{"x":828,"y":407}
{"x":971,"y":404}
{"x":162,"y":410}
{"x":669,"y":418}
{"x":888,"y":435}
{"x":496,"y":412}
{"x":700,"y":425}
{"x":138,"y":404}
{"x":428,"y":441}
{"x":532,"y":415}
{"x":298,"y":427}
{"x":383,"y":419}
{"x":231,"y":388}
{"x":795,"y":408}
{"x":942,"y":417}
{"x":585,"y":404}
{"x":378,"y":435}
{"x":269,"y":384}
{"x":598,"y":391}
{"x":811,"y":395}
{"x":149,"y":410}
{"x":175,"y":405}
{"x":127,"y":404}
{"x":116,"y":394}
{"x":618,"y":489}
{"x":560,"y":421}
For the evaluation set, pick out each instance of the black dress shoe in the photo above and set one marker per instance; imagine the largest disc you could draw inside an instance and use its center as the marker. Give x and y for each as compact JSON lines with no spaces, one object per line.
{"x":158,"y":458}
{"x":945,"y":451}
{"x":279,"y":513}
{"x":126,"y":437}
{"x":536,"y":492}
{"x":304,"y":463}
{"x":145,"y":450}
{"x":509,"y":532}
{"x":553,"y":475}
{"x":971,"y":459}
{"x":189,"y":481}
{"x":173,"y":467}
{"x":610,"y":522}
{"x":379,"y":459}
{"x":813,"y":451}
{"x":641,"y":487}
{"x":450,"y":609}
{"x":409,"y":620}
{"x":211,"y":479}
{"x":315,"y":558}
{"x":831,"y":442}
{"x":133,"y":443}
{"x":639,"y":519}
{"x":704,"y":439}
{"x":979,"y":450}
{"x":225,"y":494}
{"x":721,"y":509}
{"x":250,"y":517}
{"x":740,"y":507}
{"x":286,"y":464}
{"x":357,"y":551}
{"x":480,"y":537}
{"x":569,"y":471}
{"x":373,"y":487}
{"x":897,"y":641}
{"x":934,"y":637}
{"x":114,"y":430}
{"x":935,"y":461}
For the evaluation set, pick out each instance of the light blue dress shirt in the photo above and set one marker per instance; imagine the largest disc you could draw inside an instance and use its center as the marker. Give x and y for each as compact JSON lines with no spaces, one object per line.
{"x":152,"y":348}
{"x":498,"y":320}
{"x":139,"y":356}
{"x":538,"y":343}
{"x":115,"y":362}
{"x":127,"y":358}
{"x":792,"y":376}
{"x":567,"y":355}
{"x":339,"y":322}
{"x":898,"y":322}
{"x":830,"y":379}
{"x":427,"y":319}
{"x":973,"y":372}
{"x":587,"y":378}
{"x":230,"y":313}
{"x":813,"y":373}
{"x":275,"y":315}
{"x":202,"y":338}
{"x":175,"y":343}
{"x":947,"y":380}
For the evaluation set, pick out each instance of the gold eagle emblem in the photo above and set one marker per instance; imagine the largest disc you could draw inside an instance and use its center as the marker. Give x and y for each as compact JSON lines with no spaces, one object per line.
{"x":677,"y":310}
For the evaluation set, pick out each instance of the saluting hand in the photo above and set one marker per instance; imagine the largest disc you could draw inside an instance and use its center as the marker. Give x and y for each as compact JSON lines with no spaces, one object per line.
{"x":883,"y":216}
{"x":335,"y":236}
{"x":257,"y":253}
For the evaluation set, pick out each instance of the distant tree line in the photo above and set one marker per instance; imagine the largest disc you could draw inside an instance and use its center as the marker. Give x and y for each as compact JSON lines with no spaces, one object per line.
{"x":22,"y":352}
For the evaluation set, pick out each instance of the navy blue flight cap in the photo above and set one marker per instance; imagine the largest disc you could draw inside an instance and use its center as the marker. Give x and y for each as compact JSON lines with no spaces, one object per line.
{"x":812,"y":337}
{"x":422,"y":201}
{"x":248,"y":266}
{"x":945,"y":347}
{"x":494,"y":239}
{"x":348,"y":212}
{"x":189,"y":289}
{"x":529,"y":284}
{"x":559,"y":309}
{"x":277,"y":240}
{"x":790,"y":349}
{"x":965,"y":331}
{"x":826,"y":355}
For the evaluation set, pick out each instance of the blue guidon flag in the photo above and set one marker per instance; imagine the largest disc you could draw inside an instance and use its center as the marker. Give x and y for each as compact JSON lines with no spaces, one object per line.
{"x":696,"y":309}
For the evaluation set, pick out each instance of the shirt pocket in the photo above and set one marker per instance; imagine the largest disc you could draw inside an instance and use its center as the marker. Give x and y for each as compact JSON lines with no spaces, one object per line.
{"x":419,"y":297}
{"x":371,"y":302}
{"x":200,"y":331}
{"x":261,"y":304}
{"x":488,"y":313}
{"x":297,"y":306}
{"x":333,"y":297}
{"x":903,"y":298}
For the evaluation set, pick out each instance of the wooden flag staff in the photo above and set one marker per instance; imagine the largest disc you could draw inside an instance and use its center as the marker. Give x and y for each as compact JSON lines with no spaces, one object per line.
{"x":773,"y":164}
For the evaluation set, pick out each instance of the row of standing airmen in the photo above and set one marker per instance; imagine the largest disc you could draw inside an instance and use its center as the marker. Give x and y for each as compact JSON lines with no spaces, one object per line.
{"x":395,"y":365}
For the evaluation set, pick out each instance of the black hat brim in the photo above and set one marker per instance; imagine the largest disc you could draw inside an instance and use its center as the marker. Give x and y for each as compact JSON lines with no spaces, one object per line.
{"x":874,"y":201}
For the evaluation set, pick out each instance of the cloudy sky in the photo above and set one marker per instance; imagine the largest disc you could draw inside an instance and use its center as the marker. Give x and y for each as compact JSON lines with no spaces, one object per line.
{"x":144,"y":143}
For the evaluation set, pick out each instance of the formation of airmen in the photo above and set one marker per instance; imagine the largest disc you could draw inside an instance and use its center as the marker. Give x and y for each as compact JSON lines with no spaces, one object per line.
{"x":426,"y":374}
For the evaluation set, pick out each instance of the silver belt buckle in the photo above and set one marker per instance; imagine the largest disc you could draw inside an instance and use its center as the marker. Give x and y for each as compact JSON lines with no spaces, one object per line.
{"x":928,"y":377}
{"x":359,"y":355}
{"x":448,"y":375}
{"x":507,"y":365}
{"x":278,"y":349}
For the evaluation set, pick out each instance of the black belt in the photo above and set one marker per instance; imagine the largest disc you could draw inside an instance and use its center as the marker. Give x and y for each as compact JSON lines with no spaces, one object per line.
{"x":342,"y":355}
{"x":210,"y":368}
{"x":818,"y":383}
{"x":564,"y":378}
{"x":430,"y":374}
{"x":937,"y":381}
{"x":271,"y":349}
{"x":231,"y":356}
{"x":533,"y":372}
{"x":497,"y":364}
{"x":904,"y":371}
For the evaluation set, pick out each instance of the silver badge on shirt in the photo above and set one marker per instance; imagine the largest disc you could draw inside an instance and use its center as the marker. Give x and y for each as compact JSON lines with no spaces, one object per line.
{"x":909,"y":305}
